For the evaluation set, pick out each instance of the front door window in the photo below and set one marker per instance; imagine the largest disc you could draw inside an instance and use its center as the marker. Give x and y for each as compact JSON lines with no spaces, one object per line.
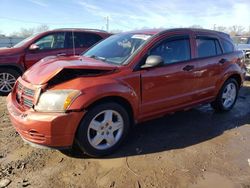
{"x":52,"y":41}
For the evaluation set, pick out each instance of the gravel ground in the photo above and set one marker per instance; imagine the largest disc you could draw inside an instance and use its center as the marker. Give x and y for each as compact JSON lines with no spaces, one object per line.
{"x":196,"y":148}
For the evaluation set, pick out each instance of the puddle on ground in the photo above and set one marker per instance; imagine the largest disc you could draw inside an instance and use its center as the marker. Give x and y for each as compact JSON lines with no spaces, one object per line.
{"x":210,"y":180}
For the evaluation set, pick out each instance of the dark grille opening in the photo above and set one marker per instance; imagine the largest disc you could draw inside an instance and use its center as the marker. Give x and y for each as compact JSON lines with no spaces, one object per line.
{"x":69,"y":74}
{"x":35,"y":134}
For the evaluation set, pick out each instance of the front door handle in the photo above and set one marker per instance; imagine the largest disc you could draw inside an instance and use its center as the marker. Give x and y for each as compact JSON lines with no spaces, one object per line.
{"x":222,"y":61}
{"x":188,"y":68}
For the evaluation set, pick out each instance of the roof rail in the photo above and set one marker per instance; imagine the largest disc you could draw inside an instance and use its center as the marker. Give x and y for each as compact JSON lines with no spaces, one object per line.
{"x":196,"y":30}
{"x":84,"y":29}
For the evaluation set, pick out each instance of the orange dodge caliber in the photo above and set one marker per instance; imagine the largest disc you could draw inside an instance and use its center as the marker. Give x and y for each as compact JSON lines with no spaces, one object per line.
{"x":94,"y":99}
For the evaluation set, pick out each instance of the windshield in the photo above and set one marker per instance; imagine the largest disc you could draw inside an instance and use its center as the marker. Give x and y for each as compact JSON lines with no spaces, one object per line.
{"x":24,"y":41}
{"x":241,"y":40}
{"x":117,"y":48}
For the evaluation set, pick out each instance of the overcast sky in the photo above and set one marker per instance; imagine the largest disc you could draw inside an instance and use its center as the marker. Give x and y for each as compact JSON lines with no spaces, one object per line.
{"x":123,"y":14}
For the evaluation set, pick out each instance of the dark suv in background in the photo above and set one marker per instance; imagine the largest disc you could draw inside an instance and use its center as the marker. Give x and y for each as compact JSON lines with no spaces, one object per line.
{"x":60,"y":42}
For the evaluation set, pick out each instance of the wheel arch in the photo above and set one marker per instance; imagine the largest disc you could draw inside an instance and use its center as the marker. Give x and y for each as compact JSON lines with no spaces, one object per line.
{"x":233,"y":75}
{"x":237,"y":77}
{"x":119,"y":100}
{"x":217,"y":104}
{"x":17,"y":68}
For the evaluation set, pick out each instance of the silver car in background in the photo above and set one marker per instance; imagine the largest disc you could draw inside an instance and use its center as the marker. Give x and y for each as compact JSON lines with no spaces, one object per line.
{"x":243,"y":43}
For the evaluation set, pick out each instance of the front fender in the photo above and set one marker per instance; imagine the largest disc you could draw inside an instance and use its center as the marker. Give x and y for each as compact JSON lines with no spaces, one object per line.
{"x":106,"y":88}
{"x":16,"y":61}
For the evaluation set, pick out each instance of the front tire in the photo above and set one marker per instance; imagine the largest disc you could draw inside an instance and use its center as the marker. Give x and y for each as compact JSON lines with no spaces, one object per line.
{"x":8,"y":78}
{"x":103,"y":129}
{"x":227,"y":96}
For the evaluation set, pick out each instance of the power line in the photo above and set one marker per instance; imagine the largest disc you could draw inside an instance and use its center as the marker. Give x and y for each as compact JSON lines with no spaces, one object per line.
{"x":49,"y":23}
{"x":121,"y":25}
{"x":107,"y":24}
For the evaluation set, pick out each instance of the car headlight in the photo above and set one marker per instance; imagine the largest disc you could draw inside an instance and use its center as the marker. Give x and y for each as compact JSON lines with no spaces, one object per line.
{"x":56,"y":100}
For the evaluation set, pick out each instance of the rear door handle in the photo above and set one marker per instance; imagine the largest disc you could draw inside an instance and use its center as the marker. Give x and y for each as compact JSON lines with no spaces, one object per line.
{"x":222,"y":61}
{"x":188,"y":68}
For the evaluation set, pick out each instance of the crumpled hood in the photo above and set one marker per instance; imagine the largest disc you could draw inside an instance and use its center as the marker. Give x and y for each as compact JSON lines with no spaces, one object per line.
{"x":49,"y":67}
{"x":8,"y":51}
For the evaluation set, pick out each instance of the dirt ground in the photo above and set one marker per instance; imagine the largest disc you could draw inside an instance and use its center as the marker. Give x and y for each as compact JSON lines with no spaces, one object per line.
{"x":196,"y":148}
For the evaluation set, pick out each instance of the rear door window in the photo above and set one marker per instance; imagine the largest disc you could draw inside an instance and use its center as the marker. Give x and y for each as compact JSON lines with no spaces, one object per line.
{"x":83,"y":40}
{"x":173,"y":50}
{"x":208,"y":47}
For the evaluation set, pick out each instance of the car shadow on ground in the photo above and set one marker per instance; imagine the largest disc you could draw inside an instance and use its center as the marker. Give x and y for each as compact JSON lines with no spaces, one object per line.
{"x":181,"y":129}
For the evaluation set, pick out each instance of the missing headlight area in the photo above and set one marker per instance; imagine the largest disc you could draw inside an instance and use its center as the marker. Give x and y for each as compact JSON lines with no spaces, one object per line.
{"x":69,"y":74}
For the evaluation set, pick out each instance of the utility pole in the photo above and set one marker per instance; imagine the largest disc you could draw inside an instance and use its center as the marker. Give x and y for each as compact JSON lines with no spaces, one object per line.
{"x":107,"y":23}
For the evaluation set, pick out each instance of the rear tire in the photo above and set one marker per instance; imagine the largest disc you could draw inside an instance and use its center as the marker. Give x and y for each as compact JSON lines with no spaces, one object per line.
{"x":8,"y":78}
{"x":103,"y":129}
{"x":227,"y":96}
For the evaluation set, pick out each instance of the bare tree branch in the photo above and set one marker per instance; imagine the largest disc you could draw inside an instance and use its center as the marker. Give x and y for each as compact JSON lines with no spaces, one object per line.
{"x":236,"y":30}
{"x":26,"y":32}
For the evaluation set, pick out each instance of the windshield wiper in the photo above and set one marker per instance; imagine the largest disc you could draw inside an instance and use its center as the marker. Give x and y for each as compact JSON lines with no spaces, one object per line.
{"x":98,"y":57}
{"x":101,"y":58}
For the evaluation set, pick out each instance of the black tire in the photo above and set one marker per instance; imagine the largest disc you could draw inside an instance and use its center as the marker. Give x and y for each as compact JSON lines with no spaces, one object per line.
{"x":82,"y":133}
{"x":13,"y":73}
{"x":217,"y":105}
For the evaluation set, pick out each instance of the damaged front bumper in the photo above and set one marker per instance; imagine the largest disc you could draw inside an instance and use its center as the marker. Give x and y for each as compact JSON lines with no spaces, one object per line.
{"x":56,"y":130}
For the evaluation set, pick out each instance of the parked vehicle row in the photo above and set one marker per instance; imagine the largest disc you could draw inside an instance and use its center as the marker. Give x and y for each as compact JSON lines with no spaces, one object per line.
{"x":94,"y":99}
{"x":243,"y":43}
{"x":61,"y":42}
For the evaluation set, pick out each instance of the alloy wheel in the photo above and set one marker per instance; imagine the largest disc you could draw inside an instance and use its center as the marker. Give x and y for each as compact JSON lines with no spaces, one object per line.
{"x":7,"y":82}
{"x":229,"y":95}
{"x":105,"y":129}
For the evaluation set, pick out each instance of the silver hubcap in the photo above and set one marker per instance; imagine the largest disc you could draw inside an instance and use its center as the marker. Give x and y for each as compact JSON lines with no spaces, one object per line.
{"x":7,"y":82}
{"x":229,"y":95}
{"x":105,"y":129}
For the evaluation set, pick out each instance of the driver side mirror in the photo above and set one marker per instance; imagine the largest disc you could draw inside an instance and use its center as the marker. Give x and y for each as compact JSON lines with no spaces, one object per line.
{"x":153,"y":61}
{"x":34,"y":47}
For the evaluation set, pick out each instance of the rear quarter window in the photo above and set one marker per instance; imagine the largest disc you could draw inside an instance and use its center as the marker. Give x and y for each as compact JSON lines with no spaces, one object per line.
{"x":227,"y":46}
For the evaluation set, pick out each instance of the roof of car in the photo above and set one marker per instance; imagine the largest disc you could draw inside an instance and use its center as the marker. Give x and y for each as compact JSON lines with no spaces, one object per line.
{"x":242,"y":36}
{"x":159,"y":31}
{"x":80,"y":29}
{"x":147,"y":31}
